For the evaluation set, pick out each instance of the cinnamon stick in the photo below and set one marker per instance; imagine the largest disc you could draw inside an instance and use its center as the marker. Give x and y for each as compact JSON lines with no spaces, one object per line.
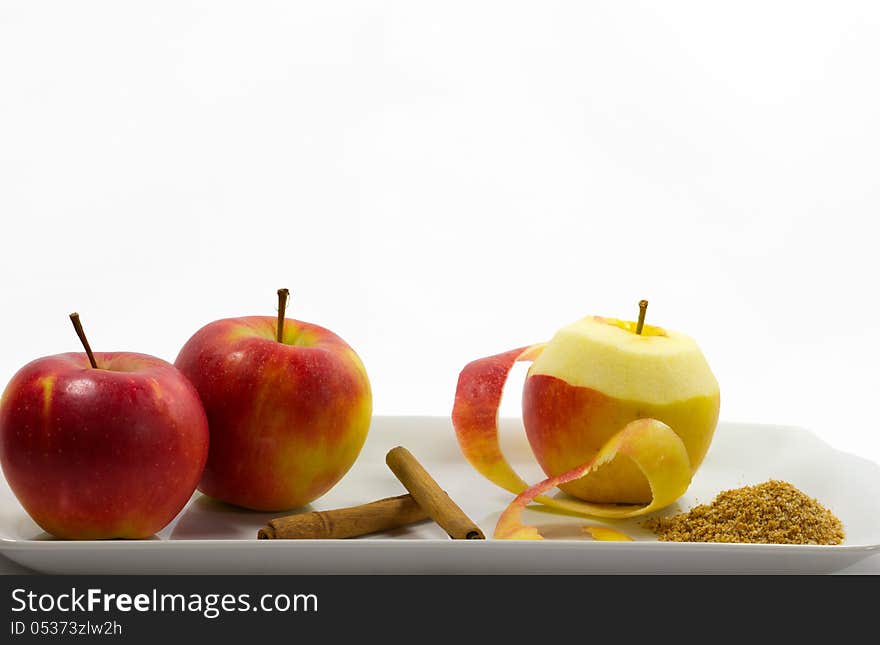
{"x":431,"y":497}
{"x":381,"y":515}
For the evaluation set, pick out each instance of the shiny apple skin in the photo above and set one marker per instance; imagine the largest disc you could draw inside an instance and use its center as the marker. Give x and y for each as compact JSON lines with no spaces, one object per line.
{"x":114,"y":452}
{"x":287,"y":419}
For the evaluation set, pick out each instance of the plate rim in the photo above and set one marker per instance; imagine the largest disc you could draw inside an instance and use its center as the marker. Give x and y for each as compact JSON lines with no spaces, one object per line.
{"x":9,"y":544}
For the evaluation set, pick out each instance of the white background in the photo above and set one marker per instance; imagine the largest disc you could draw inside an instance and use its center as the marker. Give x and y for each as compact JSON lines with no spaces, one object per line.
{"x":438,"y":182}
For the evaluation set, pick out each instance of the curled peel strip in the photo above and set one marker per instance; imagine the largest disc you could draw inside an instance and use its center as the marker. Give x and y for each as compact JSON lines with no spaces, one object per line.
{"x":475,"y":414}
{"x":651,"y":444}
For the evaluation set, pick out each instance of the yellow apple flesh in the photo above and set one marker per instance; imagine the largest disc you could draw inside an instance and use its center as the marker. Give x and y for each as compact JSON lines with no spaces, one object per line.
{"x":596,"y":376}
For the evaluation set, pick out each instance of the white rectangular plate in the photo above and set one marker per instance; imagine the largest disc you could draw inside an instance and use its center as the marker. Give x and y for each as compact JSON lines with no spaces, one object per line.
{"x":210,"y":537}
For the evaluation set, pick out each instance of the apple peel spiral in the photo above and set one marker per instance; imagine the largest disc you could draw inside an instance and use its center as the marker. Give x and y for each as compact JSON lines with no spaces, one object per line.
{"x":662,"y":459}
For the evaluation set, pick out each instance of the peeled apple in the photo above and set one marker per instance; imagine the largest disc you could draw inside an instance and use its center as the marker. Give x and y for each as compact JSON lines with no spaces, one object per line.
{"x":618,"y":414}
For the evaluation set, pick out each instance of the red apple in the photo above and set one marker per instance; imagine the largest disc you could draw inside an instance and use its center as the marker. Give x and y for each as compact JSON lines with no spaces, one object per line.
{"x":287,"y":419}
{"x":102,"y":453}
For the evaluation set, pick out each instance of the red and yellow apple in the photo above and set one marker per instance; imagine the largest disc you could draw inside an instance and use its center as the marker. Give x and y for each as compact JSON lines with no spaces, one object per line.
{"x":287,"y":418}
{"x":596,"y":376}
{"x":592,"y":380}
{"x":109,"y":452}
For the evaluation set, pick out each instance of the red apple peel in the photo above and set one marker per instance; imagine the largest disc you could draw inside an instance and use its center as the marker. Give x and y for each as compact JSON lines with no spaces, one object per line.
{"x":475,"y":414}
{"x":653,"y":446}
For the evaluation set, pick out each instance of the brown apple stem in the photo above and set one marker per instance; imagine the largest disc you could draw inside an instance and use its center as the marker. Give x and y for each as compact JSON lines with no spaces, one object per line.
{"x":77,"y":325}
{"x":643,"y":307}
{"x":283,"y":294}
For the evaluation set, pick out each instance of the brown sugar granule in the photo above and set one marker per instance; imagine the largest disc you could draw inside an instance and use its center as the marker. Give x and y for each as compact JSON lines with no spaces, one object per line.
{"x":774,"y":512}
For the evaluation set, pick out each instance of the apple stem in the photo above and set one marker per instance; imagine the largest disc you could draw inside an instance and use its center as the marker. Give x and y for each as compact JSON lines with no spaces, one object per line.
{"x":77,"y":325}
{"x":643,"y":307}
{"x":283,"y":294}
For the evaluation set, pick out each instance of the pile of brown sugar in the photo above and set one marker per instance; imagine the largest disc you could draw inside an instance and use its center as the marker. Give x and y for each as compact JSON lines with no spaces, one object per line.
{"x":774,"y":512}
